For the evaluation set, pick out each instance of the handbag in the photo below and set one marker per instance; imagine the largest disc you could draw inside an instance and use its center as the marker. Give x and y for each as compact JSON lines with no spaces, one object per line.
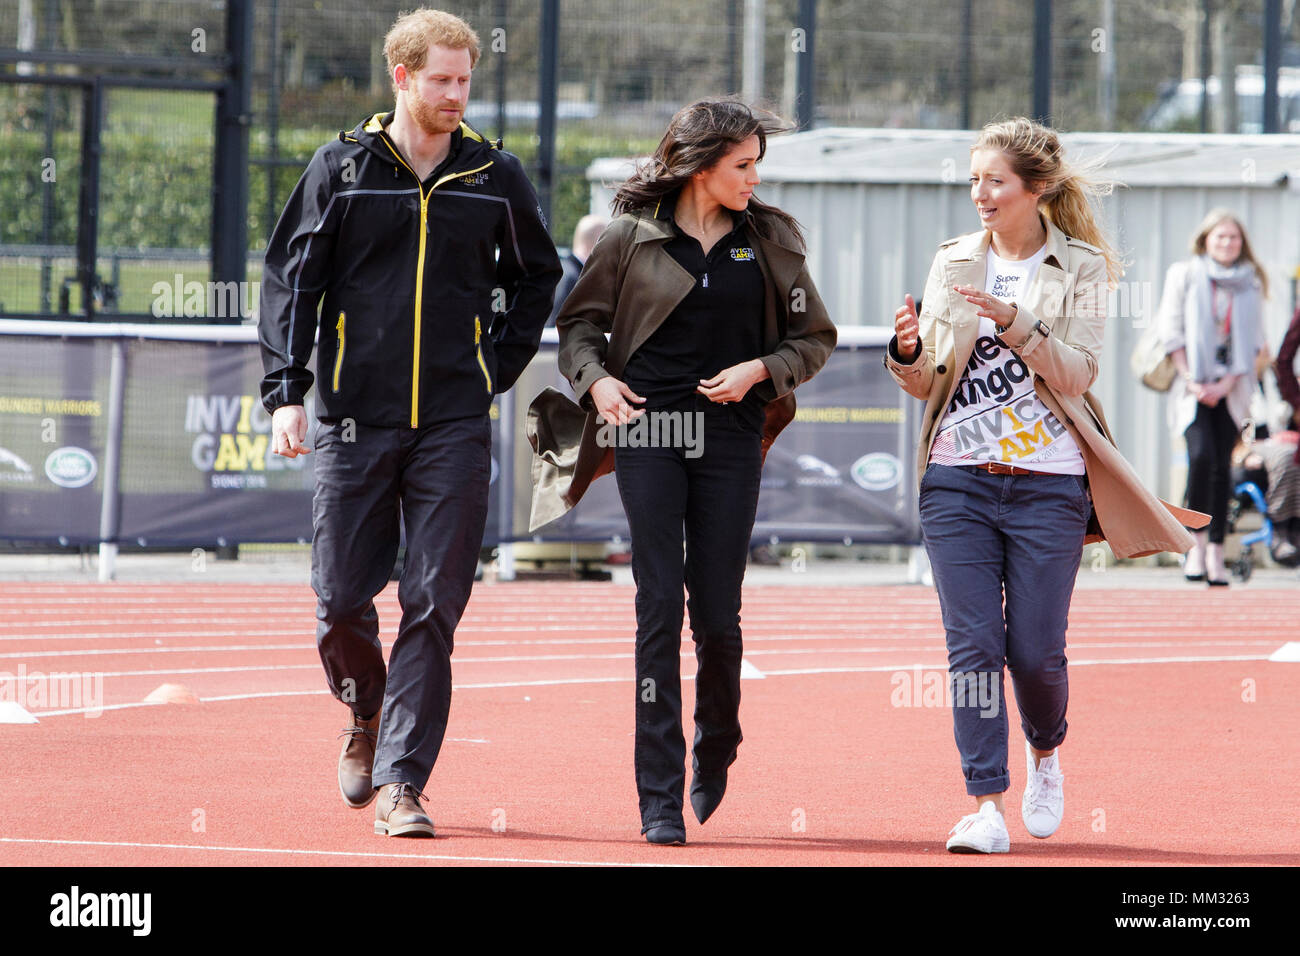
{"x":1150,"y":362}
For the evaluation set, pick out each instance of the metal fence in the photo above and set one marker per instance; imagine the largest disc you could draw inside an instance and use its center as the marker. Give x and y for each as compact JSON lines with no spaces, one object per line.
{"x":150,"y":138}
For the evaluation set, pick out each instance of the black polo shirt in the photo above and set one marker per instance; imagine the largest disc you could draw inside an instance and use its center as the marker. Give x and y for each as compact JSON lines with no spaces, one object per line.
{"x":719,"y":324}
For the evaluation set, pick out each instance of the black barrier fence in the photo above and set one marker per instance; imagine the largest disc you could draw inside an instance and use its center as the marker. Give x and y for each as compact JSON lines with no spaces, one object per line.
{"x":156,"y":436}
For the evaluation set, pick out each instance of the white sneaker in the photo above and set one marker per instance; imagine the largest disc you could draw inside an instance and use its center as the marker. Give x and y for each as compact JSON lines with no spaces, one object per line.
{"x":983,"y":832}
{"x":1044,"y":802}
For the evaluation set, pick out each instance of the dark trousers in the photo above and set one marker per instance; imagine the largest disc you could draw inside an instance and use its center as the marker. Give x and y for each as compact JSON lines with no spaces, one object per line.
{"x":990,"y":537}
{"x":1210,"y":439}
{"x":711,"y":500}
{"x":435,"y":479}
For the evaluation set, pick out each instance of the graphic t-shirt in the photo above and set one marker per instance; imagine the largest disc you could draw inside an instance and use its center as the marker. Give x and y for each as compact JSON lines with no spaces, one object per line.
{"x":995,"y":414}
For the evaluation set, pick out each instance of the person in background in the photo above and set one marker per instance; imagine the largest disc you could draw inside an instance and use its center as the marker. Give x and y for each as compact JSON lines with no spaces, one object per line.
{"x":585,"y":234}
{"x":1211,"y":322}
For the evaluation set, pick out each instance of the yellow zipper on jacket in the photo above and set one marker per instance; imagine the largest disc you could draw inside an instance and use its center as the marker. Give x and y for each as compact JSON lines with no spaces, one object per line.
{"x":419,"y":270}
{"x":342,"y":341}
{"x":478,"y":350}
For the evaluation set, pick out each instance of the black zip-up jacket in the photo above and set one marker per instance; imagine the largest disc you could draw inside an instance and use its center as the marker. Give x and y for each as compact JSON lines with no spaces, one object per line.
{"x":435,"y":292}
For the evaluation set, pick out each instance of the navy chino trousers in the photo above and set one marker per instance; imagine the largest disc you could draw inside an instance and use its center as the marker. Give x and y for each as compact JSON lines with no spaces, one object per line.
{"x":434,"y":479}
{"x":1004,"y":550}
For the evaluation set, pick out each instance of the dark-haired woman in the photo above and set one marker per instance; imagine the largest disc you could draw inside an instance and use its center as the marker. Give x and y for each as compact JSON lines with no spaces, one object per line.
{"x":1015,"y":457}
{"x":714,"y":321}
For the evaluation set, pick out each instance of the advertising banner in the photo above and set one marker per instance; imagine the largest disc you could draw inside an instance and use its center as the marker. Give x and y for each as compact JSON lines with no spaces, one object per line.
{"x":843,"y":470}
{"x":53,"y":411}
{"x":191,"y":463}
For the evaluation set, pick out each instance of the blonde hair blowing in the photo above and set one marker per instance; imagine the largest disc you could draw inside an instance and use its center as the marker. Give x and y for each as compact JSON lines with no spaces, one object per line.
{"x":1068,"y":192}
{"x":410,"y":37}
{"x":1212,"y":219}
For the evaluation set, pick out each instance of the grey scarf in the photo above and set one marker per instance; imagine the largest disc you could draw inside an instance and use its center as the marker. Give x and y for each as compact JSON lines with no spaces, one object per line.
{"x":1243,"y":285}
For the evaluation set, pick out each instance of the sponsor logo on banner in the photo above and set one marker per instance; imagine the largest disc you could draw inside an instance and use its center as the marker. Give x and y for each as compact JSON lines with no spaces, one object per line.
{"x":232,"y":442}
{"x":14,"y":469}
{"x":878,"y":471}
{"x":817,"y":472}
{"x":71,"y":467}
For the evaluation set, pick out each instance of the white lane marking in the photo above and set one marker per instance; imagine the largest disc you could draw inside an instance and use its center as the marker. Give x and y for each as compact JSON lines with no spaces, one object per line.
{"x":686,"y":676}
{"x":12,"y":713}
{"x":749,"y":671}
{"x":157,"y":650}
{"x":11,"y":678}
{"x":530,"y":658}
{"x":348,"y":853}
{"x":1288,"y":652}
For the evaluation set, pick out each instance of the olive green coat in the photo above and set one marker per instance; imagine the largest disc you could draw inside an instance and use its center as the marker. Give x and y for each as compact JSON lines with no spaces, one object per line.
{"x":629,"y":285}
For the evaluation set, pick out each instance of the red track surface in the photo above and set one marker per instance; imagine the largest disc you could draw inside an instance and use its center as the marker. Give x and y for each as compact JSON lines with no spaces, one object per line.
{"x":1181,"y":749}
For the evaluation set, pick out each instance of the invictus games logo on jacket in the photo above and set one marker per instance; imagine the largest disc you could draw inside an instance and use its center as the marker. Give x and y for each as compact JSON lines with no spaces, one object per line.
{"x":743,"y":254}
{"x":474,"y":179}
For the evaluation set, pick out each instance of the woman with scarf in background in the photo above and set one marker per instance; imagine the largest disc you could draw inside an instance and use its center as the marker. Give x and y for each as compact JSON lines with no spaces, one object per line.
{"x":1211,"y":318}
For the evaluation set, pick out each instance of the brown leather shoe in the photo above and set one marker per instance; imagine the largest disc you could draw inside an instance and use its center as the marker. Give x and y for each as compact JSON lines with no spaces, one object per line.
{"x":355,"y":761}
{"x":398,"y":812}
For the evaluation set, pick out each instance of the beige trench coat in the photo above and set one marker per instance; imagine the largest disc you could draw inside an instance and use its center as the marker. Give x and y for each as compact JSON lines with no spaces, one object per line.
{"x":629,"y":285}
{"x":1069,"y":297}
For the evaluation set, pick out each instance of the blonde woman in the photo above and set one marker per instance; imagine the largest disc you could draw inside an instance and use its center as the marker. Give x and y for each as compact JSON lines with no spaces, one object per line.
{"x":1212,"y":325}
{"x":1015,"y":458}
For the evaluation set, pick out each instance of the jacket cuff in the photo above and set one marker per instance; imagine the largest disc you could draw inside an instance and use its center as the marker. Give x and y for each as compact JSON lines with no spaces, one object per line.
{"x":780,"y":380}
{"x":587,"y":376}
{"x":1021,"y":332}
{"x":904,"y":366}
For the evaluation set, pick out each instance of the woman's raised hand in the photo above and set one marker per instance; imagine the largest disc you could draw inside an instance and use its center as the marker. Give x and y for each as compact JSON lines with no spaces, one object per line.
{"x":608,"y":395}
{"x":907,"y":327}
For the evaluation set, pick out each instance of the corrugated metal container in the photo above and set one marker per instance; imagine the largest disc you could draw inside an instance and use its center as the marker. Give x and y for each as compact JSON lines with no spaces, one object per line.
{"x":875,"y":205}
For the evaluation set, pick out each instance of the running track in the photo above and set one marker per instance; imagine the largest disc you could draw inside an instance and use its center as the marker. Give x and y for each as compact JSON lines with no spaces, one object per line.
{"x":1181,"y":750}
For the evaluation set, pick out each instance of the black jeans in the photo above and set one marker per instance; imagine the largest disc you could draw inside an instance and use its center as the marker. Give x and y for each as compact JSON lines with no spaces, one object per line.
{"x":1210,"y":439}
{"x":438,"y":474}
{"x":711,"y":500}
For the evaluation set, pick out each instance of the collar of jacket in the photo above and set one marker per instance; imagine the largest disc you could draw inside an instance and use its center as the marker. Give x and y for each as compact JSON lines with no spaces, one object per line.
{"x":972,"y":247}
{"x":780,"y":260}
{"x":966,"y":266}
{"x":780,"y":257}
{"x":657,"y":225}
{"x":368,"y":134}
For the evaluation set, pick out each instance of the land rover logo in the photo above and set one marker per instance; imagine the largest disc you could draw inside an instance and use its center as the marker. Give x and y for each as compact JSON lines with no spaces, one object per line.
{"x":878,"y":471}
{"x":70,"y":467}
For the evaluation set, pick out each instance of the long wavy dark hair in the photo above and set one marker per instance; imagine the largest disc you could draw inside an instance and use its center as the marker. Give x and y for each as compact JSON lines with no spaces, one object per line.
{"x":698,"y":137}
